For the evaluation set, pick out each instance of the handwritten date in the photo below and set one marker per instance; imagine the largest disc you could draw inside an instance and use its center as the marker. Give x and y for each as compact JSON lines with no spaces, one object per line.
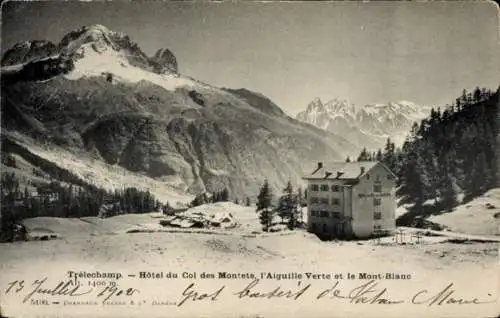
{"x":68,"y":288}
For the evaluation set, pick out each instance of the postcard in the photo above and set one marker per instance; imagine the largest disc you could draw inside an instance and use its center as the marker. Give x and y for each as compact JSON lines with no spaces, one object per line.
{"x":249,"y":159}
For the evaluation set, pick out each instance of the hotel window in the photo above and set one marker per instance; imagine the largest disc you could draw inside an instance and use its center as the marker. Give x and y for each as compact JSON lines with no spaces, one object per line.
{"x":314,"y":200}
{"x":314,"y":187}
{"x":377,"y":227}
{"x":377,"y":215}
{"x":324,"y":214}
{"x":335,"y":188}
{"x":377,"y":187}
{"x":377,"y":201}
{"x":324,"y":187}
{"x":336,"y":215}
{"x":324,"y":200}
{"x":324,"y":228}
{"x":336,"y":201}
{"x":367,"y":176}
{"x":313,"y":227}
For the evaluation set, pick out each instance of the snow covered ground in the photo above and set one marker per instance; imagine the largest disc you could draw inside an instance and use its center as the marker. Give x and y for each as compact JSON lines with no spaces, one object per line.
{"x":475,"y":217}
{"x":92,"y":244}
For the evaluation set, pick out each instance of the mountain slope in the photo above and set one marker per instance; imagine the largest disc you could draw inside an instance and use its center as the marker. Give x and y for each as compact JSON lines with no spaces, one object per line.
{"x":475,"y":217}
{"x":103,"y":97}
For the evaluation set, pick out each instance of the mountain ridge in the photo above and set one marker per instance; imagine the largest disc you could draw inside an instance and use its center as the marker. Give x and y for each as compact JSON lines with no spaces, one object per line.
{"x":92,"y":99}
{"x":97,"y":38}
{"x":371,"y":123}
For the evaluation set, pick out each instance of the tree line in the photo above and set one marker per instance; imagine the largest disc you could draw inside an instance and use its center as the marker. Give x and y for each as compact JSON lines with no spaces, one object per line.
{"x":450,"y":156}
{"x":59,"y":200}
{"x":217,"y":196}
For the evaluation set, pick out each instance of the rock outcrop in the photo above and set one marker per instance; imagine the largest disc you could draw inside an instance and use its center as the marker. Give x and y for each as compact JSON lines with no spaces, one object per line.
{"x":164,"y":61}
{"x":29,"y":51}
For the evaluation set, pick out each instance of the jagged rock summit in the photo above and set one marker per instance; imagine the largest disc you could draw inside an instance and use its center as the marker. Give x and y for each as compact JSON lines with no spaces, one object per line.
{"x":165,"y":62}
{"x":369,"y":125}
{"x":93,"y":44}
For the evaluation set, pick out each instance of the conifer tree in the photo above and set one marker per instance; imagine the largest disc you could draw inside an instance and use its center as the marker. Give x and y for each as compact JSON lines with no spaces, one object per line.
{"x":216,"y":197}
{"x":264,"y":207}
{"x":168,"y":208}
{"x":477,"y":95}
{"x":300,"y":204}
{"x":287,"y":206}
{"x":412,"y":180}
{"x":389,"y":155}
{"x":293,"y":219}
{"x":224,"y":196}
{"x":446,"y":192}
{"x":364,"y":155}
{"x":479,"y":176}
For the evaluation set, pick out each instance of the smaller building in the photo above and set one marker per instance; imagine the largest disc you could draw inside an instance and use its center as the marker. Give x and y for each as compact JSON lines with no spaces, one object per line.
{"x":351,"y":200}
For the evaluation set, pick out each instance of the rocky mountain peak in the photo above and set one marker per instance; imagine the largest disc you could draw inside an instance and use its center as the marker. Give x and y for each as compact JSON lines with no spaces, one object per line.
{"x":164,"y":61}
{"x":27,"y":51}
{"x":331,"y":108}
{"x":340,"y":106}
{"x":99,"y":37}
{"x":93,"y":50}
{"x":315,"y":105}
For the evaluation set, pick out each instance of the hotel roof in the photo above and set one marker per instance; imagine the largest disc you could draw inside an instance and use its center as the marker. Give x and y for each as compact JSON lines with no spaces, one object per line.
{"x":344,"y":170}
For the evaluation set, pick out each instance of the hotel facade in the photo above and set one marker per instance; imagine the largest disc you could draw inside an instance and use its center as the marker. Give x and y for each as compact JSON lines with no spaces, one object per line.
{"x":351,"y":200}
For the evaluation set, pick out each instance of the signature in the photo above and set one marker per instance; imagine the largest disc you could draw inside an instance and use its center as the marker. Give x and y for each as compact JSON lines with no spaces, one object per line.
{"x":40,"y":287}
{"x":446,"y":296}
{"x":190,"y":294}
{"x":371,"y":292}
{"x":367,"y":293}
{"x":278,"y":292}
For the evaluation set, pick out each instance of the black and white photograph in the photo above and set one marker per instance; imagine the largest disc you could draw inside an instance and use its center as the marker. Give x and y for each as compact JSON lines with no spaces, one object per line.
{"x":249,"y":159}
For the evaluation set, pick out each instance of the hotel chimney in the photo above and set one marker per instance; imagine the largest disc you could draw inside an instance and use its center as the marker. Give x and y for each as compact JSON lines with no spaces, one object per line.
{"x":320,"y":165}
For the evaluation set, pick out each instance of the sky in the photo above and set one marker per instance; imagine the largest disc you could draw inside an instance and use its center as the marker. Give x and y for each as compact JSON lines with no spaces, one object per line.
{"x":364,"y":52}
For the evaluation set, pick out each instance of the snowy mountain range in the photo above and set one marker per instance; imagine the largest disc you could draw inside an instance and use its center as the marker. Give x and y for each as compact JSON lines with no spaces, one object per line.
{"x":368,"y":126}
{"x":93,"y":46}
{"x":97,"y":95}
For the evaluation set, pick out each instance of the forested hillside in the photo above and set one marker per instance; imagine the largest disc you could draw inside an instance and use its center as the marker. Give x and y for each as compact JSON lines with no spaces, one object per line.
{"x":448,"y":156}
